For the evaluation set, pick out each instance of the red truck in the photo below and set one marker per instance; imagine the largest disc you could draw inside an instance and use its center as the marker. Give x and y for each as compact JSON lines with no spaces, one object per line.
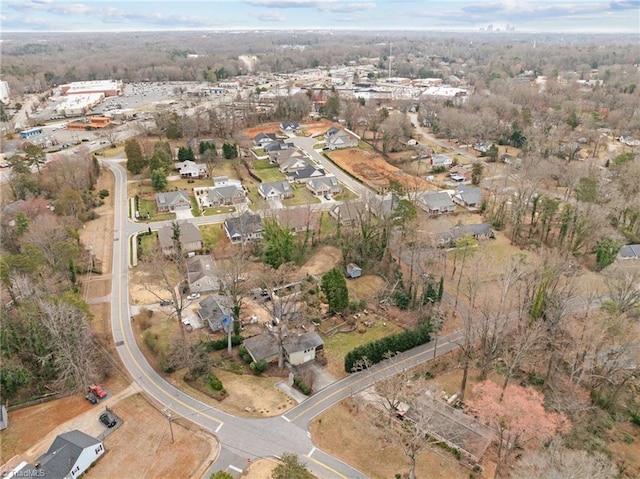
{"x":97,"y":391}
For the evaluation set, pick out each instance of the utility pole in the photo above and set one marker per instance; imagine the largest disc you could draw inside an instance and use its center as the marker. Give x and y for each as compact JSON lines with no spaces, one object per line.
{"x":168,"y":415}
{"x":390,"y":50}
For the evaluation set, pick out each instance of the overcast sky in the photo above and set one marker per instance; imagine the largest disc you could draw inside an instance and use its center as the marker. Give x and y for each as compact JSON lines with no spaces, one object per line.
{"x":560,"y":16}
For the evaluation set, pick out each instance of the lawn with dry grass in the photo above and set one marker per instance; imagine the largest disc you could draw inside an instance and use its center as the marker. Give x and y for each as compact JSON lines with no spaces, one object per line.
{"x":348,"y":431}
{"x":157,"y":454}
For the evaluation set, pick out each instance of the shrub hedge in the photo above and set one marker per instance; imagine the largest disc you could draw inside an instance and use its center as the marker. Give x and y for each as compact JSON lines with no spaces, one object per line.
{"x":376,"y":351}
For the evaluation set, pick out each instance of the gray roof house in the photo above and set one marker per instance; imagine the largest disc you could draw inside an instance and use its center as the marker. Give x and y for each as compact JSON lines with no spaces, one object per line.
{"x":276,"y":146}
{"x":190,"y":238}
{"x":293,"y":163}
{"x":341,"y":139}
{"x":201,"y":274}
{"x":290,"y":127}
{"x":296,"y":220}
{"x":280,"y":156}
{"x":298,"y":349}
{"x":215,"y":311}
{"x":479,"y":231}
{"x":324,"y":185}
{"x":383,"y":207}
{"x":224,"y":195}
{"x":173,"y":200}
{"x":68,"y":457}
{"x":630,"y":251}
{"x":262,"y":139}
{"x":348,"y":213}
{"x":276,"y":190}
{"x":436,"y":202}
{"x":246,"y":227}
{"x":468,"y":196}
{"x":190,"y":169}
{"x":304,"y":174}
{"x":440,"y":160}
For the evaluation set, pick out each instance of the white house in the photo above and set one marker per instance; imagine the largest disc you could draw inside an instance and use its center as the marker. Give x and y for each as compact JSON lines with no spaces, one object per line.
{"x":440,"y":160}
{"x":70,"y":455}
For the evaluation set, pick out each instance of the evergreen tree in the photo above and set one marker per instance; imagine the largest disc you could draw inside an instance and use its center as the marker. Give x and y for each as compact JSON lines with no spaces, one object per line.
{"x":291,"y":468}
{"x":135,"y":159}
{"x":279,"y":243}
{"x":334,"y":287}
{"x":158,"y":180}
{"x":186,"y":153}
{"x":230,"y":150}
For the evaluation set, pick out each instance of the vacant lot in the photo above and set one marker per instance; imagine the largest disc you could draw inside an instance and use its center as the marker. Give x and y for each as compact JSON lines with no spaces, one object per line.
{"x":348,"y":431}
{"x":155,"y":455}
{"x":373,"y":170}
{"x":322,"y":261}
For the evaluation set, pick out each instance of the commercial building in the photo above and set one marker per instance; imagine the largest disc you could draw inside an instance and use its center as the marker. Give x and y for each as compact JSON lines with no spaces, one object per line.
{"x":106,"y":87}
{"x":91,"y":123}
{"x":80,"y":104}
{"x":4,"y":92}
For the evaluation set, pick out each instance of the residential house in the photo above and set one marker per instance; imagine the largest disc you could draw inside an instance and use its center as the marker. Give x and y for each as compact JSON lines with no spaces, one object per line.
{"x":263,"y":139}
{"x":479,"y":232}
{"x":468,"y":196}
{"x":460,"y":172}
{"x":302,"y":348}
{"x":353,"y":270}
{"x":277,"y":145}
{"x":225,"y":181}
{"x":324,"y":185}
{"x":224,"y":195}
{"x":246,"y":227}
{"x":215,"y":311}
{"x":201,"y":274}
{"x":348,"y":214}
{"x":190,"y":169}
{"x":439,"y":160}
{"x":297,"y":220}
{"x":437,"y":202}
{"x":293,"y":164}
{"x":341,"y":139}
{"x":290,"y":127}
{"x":298,"y":349}
{"x":280,"y":156}
{"x":331,"y":131}
{"x":383,"y":206}
{"x":68,"y":457}
{"x":173,"y":201}
{"x":304,"y":174}
{"x":278,"y":190}
{"x":482,"y":146}
{"x":630,"y":251}
{"x":190,"y":238}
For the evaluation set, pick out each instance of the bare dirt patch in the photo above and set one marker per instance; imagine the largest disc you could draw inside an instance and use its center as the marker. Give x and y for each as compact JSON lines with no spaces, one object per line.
{"x":260,"y":469}
{"x":365,"y":287}
{"x":322,"y":261}
{"x":318,"y":127}
{"x":373,"y":170}
{"x":272,"y":127}
{"x":155,"y":455}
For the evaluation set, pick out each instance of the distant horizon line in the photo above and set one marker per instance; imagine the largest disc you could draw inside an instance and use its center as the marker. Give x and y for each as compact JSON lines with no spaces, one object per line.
{"x":334,"y":29}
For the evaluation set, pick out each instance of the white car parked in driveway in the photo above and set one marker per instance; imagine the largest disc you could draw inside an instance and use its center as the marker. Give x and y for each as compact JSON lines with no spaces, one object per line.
{"x":193,"y":296}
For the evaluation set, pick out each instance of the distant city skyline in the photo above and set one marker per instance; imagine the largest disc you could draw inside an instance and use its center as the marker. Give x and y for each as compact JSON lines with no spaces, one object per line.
{"x":577,"y":16}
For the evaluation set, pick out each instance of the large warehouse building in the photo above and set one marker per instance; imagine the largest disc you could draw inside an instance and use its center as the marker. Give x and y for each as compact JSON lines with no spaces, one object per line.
{"x":106,"y":87}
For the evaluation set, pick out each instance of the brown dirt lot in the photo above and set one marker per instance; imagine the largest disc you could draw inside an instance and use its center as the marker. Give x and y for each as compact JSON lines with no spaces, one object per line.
{"x":272,"y":127}
{"x":154,"y":454}
{"x":322,"y":261}
{"x":373,"y":170}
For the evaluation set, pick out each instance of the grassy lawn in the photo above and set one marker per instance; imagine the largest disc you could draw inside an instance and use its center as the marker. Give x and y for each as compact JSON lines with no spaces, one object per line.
{"x":216,"y":210}
{"x":267,"y":172}
{"x":337,"y":346}
{"x":259,"y":151}
{"x":195,"y":208}
{"x":226,"y":168}
{"x":346,"y":195}
{"x":257,"y":201}
{"x":147,"y":243}
{"x":318,"y":146}
{"x":328,"y":226}
{"x":148,"y":207}
{"x":183,"y":183}
{"x":212,"y":234}
{"x":301,"y":196}
{"x":112,"y":152}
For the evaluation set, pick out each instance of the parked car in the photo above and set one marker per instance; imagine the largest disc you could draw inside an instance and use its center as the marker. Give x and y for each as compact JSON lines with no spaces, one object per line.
{"x":108,"y":419}
{"x":193,"y":296}
{"x":92,"y":398}
{"x":166,"y":302}
{"x":97,"y":391}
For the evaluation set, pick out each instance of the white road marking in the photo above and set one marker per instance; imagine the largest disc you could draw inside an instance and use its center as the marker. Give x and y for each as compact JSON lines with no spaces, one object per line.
{"x":218,"y":428}
{"x":312,"y":451}
{"x":234,"y":468}
{"x":285,"y":418}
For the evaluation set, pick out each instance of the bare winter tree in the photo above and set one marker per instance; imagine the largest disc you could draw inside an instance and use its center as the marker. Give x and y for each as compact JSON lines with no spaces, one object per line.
{"x":71,"y":343}
{"x":622,"y":286}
